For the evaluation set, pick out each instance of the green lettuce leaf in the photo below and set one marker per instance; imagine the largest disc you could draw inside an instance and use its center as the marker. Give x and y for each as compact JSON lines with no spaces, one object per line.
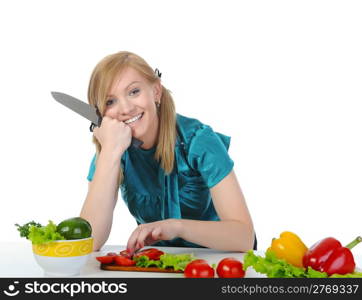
{"x":271,"y":266}
{"x":349,"y":275}
{"x":145,"y":262}
{"x":274,"y":267}
{"x":175,"y":261}
{"x":44,"y":234}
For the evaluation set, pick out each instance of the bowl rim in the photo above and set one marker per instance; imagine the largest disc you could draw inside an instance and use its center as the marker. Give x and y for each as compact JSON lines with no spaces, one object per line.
{"x":60,"y":241}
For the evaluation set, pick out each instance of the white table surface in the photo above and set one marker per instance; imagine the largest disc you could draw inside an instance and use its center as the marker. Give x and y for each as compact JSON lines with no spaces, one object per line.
{"x":17,"y":260}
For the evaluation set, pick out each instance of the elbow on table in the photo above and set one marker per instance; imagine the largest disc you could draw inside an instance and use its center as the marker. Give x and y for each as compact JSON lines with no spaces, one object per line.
{"x":97,"y":244}
{"x":248,"y":242}
{"x":100,"y":233}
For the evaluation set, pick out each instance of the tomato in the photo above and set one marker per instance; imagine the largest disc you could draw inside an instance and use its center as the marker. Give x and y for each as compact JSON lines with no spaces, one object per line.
{"x":123,"y":261}
{"x":108,"y":259}
{"x":199,"y":268}
{"x":230,"y":268}
{"x":151,"y":253}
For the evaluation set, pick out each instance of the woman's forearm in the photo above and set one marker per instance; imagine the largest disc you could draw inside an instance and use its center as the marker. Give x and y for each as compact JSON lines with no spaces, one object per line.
{"x":102,"y":197}
{"x":220,"y":235}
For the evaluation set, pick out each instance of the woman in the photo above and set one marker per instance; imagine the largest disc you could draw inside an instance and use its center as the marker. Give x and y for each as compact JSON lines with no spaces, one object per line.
{"x":179,"y":184}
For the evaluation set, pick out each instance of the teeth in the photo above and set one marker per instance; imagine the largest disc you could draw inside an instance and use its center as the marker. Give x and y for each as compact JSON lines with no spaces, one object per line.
{"x":133,"y":119}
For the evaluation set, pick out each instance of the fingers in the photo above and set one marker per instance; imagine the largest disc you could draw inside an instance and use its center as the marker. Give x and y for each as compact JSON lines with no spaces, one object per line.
{"x":137,"y":238}
{"x":148,"y":234}
{"x":131,"y":244}
{"x":154,"y":237}
{"x":143,"y":236}
{"x":144,"y":233}
{"x":150,"y":241}
{"x":113,"y":135}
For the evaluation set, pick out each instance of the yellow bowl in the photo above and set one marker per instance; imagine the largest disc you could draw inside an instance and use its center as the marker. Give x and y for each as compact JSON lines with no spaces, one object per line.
{"x":63,"y":257}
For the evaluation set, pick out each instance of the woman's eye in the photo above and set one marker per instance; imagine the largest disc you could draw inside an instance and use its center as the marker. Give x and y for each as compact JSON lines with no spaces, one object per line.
{"x":109,"y":102}
{"x":134,"y":92}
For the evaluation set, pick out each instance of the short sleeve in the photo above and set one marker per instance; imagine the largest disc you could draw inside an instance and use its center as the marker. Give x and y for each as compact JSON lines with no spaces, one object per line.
{"x":92,"y":169}
{"x":208,"y":154}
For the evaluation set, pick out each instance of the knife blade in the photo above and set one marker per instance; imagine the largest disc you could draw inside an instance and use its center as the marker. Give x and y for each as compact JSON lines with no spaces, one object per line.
{"x":85,"y":110}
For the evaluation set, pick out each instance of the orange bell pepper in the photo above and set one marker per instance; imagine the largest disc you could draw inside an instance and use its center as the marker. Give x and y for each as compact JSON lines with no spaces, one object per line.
{"x":289,"y":247}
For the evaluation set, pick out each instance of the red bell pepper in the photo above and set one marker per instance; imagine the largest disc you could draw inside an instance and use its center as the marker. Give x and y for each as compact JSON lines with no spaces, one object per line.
{"x":328,"y":255}
{"x":151,"y":253}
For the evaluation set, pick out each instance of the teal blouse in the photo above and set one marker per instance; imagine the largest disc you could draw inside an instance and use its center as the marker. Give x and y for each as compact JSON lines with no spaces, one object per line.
{"x":201,"y":161}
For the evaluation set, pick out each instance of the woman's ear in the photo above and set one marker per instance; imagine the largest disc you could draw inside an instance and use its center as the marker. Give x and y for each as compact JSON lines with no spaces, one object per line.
{"x":157,"y":90}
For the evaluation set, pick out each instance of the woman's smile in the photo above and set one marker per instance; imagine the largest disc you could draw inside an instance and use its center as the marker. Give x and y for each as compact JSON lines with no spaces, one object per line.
{"x":134,"y":119}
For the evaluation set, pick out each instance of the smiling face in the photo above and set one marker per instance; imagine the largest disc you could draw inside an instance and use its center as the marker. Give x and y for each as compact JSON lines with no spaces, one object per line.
{"x":131,"y":99}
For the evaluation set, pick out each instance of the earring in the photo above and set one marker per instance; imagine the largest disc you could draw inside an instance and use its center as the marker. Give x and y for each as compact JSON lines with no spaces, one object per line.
{"x":158,"y":104}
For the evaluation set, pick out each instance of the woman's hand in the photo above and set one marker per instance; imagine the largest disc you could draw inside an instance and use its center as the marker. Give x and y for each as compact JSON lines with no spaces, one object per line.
{"x":113,"y":135}
{"x":150,"y":233}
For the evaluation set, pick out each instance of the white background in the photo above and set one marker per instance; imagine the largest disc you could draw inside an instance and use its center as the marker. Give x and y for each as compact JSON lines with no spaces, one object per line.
{"x":283,"y":78}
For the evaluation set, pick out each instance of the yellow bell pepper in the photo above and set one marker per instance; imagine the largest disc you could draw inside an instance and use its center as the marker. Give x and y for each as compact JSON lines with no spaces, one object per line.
{"x":289,"y":247}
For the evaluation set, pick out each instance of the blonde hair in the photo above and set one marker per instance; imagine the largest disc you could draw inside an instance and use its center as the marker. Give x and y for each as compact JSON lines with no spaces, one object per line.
{"x":101,"y":81}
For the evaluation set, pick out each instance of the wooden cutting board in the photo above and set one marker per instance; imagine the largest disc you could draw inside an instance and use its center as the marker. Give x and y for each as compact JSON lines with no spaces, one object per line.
{"x":137,"y":269}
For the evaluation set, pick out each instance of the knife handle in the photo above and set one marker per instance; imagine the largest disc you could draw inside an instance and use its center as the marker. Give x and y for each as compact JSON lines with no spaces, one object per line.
{"x":91,"y":127}
{"x":135,"y":142}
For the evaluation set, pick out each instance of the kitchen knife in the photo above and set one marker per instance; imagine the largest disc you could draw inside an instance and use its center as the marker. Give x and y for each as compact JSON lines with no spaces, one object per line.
{"x":85,"y":110}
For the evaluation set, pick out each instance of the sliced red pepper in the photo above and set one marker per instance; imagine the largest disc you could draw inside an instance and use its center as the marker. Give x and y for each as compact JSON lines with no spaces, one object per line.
{"x":125,"y":253}
{"x":123,"y":261}
{"x":124,"y":258}
{"x":107,"y":259}
{"x":151,"y":253}
{"x":328,"y":255}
